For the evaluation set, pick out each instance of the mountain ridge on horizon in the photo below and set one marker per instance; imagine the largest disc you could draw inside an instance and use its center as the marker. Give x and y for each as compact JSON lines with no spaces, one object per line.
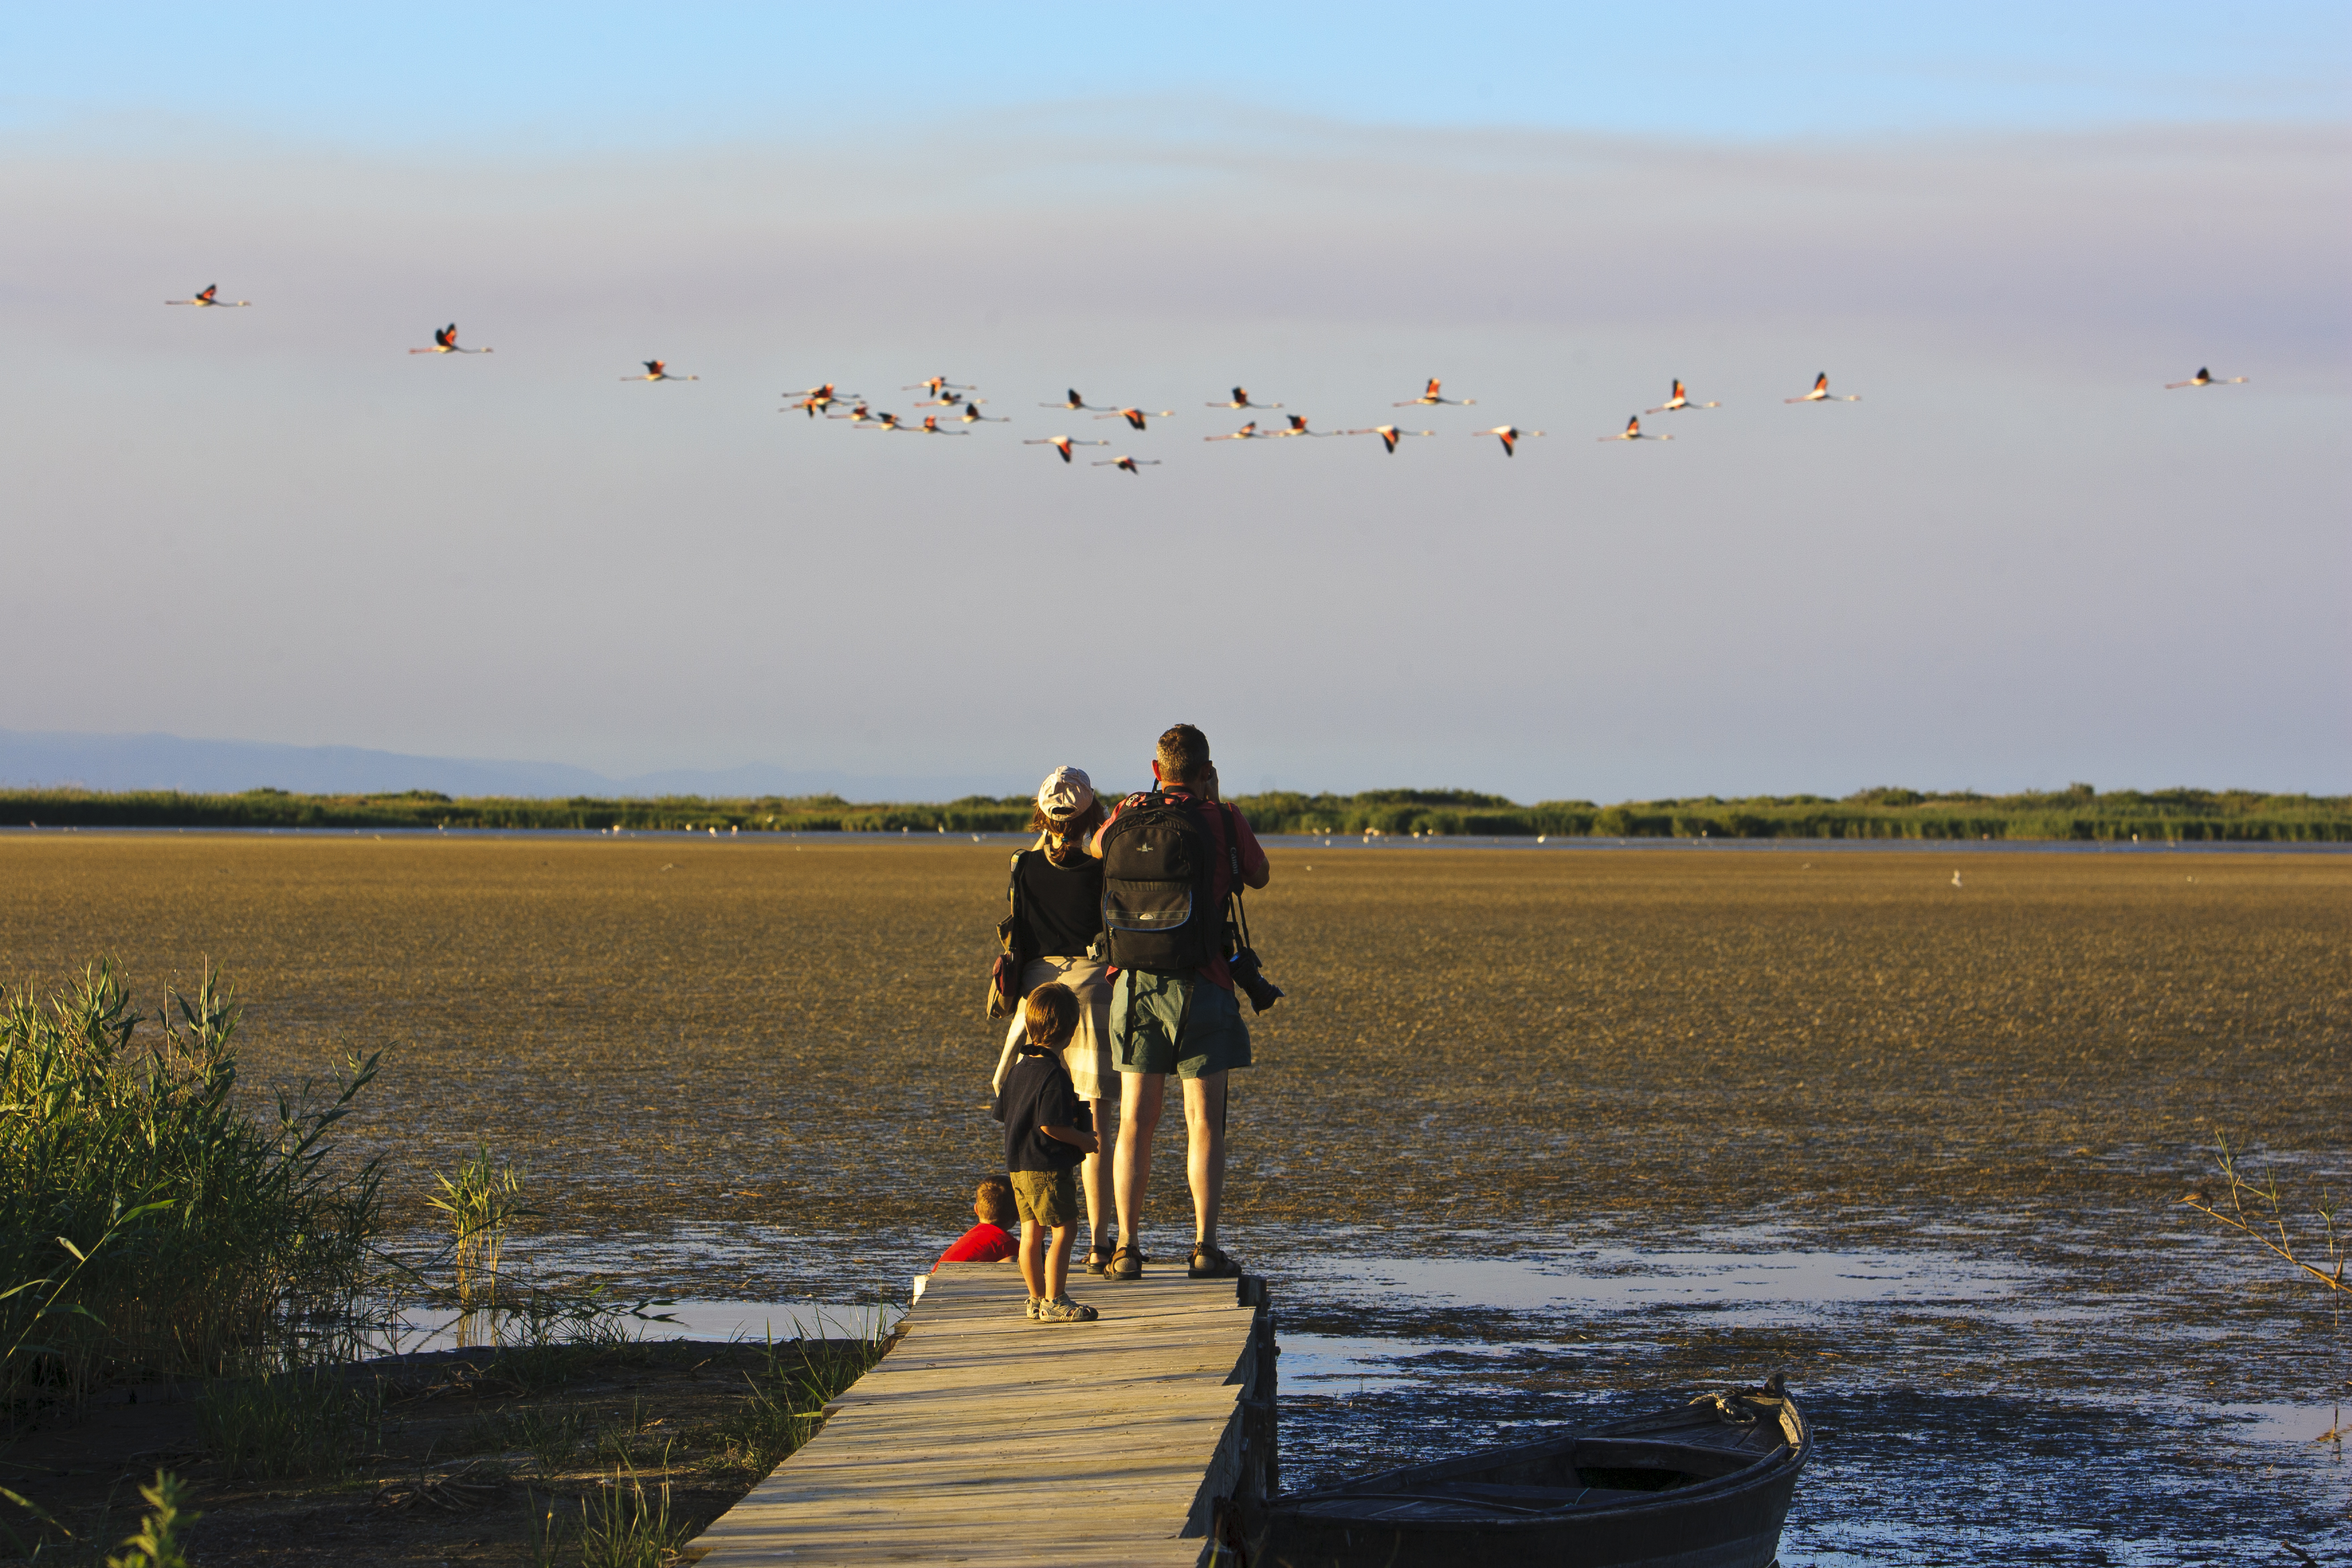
{"x":156,"y":760}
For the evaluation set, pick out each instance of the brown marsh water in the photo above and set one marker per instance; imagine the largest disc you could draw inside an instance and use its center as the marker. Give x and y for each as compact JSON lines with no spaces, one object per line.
{"x":1534,"y":1135}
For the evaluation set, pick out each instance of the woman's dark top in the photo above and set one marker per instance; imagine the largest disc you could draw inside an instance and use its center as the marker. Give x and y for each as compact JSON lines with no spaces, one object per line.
{"x":1062,"y":905}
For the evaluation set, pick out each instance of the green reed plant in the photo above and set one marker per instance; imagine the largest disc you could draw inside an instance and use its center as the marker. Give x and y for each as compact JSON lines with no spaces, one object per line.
{"x":548,"y":1337}
{"x":195,"y":1230}
{"x":2317,"y":1247}
{"x":482,"y":1199}
{"x":308,"y":1421}
{"x":545,"y":1534}
{"x":157,"y":1544}
{"x":552,"y":1436}
{"x":625,"y":1526}
{"x":795,"y":1381}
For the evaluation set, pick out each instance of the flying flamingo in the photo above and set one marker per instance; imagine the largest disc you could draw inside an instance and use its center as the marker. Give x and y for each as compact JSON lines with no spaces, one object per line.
{"x":2202,"y":378}
{"x":1510,"y":436}
{"x":1063,"y":444}
{"x":1389,"y":435}
{"x":1136,"y":416}
{"x":972,"y":416}
{"x":1632,"y":431}
{"x":930,"y":427}
{"x":1821,"y":393}
{"x":444,"y":342}
{"x":1072,"y":403}
{"x":1248,"y":432}
{"x":938,"y":387}
{"x":658,"y":370}
{"x":210,"y":295}
{"x":874,"y":421}
{"x":1298,"y":428}
{"x":1242,"y":400}
{"x":1133,"y":465}
{"x":1679,"y":402}
{"x":857,"y":415}
{"x":815,"y":400}
{"x":1429,"y":395}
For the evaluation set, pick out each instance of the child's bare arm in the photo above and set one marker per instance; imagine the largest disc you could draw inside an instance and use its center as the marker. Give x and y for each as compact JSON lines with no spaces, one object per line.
{"x":1072,"y":1135}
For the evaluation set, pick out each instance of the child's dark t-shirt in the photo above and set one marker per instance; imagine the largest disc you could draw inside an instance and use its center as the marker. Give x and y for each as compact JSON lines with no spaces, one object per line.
{"x":1038,"y":1093}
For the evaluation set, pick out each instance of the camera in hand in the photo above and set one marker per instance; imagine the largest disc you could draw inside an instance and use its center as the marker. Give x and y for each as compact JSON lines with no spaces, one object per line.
{"x":1263,"y":992}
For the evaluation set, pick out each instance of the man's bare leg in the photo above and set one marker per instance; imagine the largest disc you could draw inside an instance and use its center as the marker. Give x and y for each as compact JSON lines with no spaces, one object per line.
{"x":1205,"y":1144}
{"x":1094,"y":1177}
{"x":1132,"y":1170}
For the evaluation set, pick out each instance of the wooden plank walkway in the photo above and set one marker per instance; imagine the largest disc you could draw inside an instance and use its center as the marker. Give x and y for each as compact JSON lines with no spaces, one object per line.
{"x":985,"y":1438}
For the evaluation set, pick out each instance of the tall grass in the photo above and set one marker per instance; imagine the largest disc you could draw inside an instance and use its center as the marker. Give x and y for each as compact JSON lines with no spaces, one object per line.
{"x":166,"y":1230}
{"x":482,"y":1199}
{"x":796,"y":1382}
{"x":300,"y":1421}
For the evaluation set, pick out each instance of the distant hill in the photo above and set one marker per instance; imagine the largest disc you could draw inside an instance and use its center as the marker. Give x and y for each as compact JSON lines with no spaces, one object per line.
{"x":114,"y":764}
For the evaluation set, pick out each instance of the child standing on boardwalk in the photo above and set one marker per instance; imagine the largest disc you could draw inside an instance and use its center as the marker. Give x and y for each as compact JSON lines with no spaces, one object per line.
{"x":1046,"y":1133}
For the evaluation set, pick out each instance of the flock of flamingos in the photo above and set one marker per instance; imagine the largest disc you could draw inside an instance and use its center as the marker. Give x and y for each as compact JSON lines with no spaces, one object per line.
{"x":945,"y":393}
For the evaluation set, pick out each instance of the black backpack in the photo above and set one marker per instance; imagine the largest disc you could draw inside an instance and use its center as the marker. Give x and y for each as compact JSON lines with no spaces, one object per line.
{"x":1159,"y":869}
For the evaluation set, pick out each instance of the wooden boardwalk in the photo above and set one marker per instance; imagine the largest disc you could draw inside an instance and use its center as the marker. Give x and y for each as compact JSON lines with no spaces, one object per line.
{"x":985,"y":1438}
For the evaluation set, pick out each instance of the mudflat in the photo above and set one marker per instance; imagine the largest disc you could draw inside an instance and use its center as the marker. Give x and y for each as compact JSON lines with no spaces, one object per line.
{"x":676,"y":1031}
{"x":1535,"y":1136}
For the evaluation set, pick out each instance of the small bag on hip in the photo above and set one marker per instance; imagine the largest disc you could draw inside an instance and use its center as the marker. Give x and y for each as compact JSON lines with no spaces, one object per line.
{"x":1005,"y":992}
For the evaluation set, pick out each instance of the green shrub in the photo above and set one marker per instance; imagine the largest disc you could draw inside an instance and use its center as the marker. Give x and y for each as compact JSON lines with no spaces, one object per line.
{"x":195,"y":1230}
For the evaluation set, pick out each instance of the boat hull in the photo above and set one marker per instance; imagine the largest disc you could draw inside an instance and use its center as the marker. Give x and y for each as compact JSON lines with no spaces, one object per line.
{"x":1679,"y":1490}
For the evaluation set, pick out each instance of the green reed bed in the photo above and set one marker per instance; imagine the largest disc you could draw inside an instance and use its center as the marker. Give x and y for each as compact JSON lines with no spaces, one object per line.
{"x":153,"y":1226}
{"x":2078,"y":813}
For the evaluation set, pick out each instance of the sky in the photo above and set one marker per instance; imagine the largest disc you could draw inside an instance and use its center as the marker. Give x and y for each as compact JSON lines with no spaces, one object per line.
{"x":2016,"y":562}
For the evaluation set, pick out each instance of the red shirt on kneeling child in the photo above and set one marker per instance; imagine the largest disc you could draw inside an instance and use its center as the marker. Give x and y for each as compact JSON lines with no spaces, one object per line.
{"x":989,"y":1241}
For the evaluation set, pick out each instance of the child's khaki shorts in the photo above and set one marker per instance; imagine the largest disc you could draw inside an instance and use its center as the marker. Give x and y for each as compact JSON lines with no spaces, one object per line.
{"x":1049,"y":1198}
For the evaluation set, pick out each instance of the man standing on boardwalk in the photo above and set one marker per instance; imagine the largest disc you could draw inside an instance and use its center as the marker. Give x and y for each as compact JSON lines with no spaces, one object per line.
{"x":1171,"y":858}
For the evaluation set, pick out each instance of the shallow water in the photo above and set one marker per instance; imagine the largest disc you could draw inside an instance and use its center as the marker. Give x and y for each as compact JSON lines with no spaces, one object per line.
{"x":415,"y":1331}
{"x":1977,"y":1396}
{"x":1969,"y":1407}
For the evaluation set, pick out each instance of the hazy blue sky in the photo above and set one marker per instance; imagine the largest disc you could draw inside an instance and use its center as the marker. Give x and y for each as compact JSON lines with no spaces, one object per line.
{"x":2016,"y":562}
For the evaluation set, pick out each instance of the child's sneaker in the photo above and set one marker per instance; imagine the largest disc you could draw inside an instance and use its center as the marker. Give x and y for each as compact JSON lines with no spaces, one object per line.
{"x":1062,"y":1310}
{"x":1035,"y":1309}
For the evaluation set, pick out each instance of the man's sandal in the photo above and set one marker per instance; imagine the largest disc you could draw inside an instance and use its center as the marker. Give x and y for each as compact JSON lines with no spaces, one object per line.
{"x":1127,"y":1263}
{"x":1099,"y":1260}
{"x":1209,"y":1262}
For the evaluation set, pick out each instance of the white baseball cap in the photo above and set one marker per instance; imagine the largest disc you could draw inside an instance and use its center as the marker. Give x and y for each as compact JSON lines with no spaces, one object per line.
{"x":1066,"y":793}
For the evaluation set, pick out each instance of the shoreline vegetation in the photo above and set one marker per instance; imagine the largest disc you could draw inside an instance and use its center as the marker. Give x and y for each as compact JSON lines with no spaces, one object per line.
{"x":157,"y":1228}
{"x":2078,"y":813}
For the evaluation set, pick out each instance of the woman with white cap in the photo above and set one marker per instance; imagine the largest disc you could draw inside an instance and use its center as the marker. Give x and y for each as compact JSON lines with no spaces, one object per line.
{"x":1057,"y":893}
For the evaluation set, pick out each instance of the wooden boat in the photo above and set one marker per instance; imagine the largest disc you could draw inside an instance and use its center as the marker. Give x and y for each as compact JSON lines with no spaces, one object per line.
{"x":1705,"y":1486}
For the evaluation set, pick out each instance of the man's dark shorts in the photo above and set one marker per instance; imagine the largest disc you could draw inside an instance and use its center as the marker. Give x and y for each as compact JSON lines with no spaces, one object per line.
{"x":1176,"y":1022}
